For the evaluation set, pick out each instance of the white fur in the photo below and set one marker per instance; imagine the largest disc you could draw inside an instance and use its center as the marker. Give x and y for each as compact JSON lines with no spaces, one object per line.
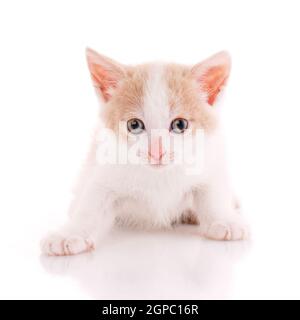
{"x":148,"y":197}
{"x":156,"y":107}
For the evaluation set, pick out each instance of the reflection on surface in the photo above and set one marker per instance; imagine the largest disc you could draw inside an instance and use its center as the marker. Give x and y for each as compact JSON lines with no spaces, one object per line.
{"x":159,"y":265}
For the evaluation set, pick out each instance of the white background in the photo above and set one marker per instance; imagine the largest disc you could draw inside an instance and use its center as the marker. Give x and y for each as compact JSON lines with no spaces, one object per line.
{"x":47,"y":112}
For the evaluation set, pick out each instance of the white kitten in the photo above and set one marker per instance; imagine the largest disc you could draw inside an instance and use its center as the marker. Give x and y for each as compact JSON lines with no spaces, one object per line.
{"x":148,"y":108}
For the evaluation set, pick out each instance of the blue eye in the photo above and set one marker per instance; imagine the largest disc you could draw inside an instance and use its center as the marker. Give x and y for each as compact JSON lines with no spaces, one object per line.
{"x":135,"y":126}
{"x":179,"y":125}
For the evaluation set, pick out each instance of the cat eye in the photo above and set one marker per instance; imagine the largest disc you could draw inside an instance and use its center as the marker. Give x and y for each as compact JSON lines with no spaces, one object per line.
{"x":179,"y":125}
{"x":135,"y":126}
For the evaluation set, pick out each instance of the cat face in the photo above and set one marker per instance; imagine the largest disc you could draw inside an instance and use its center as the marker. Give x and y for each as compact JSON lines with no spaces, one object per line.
{"x":157,"y":108}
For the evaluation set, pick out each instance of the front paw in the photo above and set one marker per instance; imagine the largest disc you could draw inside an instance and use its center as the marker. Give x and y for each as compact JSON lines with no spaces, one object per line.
{"x":64,"y":245}
{"x":234,"y":229}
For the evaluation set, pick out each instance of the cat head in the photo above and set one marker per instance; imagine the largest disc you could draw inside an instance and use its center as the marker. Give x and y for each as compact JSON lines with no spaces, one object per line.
{"x":158,"y":103}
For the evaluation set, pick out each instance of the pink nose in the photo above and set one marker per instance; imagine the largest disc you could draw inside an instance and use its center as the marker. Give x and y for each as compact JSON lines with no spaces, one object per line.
{"x":156,"y":156}
{"x":156,"y":151}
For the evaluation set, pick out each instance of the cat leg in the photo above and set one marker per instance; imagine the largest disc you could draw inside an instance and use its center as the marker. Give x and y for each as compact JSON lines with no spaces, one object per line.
{"x":90,"y":218}
{"x":219,"y":218}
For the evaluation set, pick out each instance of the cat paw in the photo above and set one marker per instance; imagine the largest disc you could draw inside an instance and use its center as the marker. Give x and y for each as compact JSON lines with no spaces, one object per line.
{"x":59,"y":245}
{"x":227,"y":230}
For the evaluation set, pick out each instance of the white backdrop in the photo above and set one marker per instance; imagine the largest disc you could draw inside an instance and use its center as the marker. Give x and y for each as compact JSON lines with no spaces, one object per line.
{"x":47,"y":112}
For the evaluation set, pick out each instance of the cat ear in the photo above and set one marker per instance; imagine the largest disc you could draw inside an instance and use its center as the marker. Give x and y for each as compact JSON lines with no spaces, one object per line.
{"x":212,"y":74}
{"x":105,"y":73}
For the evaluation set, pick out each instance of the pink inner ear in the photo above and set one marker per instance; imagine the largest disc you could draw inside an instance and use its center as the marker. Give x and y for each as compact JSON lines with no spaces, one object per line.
{"x":213,"y":80}
{"x":103,"y":80}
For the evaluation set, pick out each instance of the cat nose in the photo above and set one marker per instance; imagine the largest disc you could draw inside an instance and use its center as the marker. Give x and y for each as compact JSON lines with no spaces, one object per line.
{"x":157,"y":156}
{"x":156,"y":151}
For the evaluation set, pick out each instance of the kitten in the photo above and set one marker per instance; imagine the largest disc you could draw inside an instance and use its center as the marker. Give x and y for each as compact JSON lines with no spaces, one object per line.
{"x":144,"y":106}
